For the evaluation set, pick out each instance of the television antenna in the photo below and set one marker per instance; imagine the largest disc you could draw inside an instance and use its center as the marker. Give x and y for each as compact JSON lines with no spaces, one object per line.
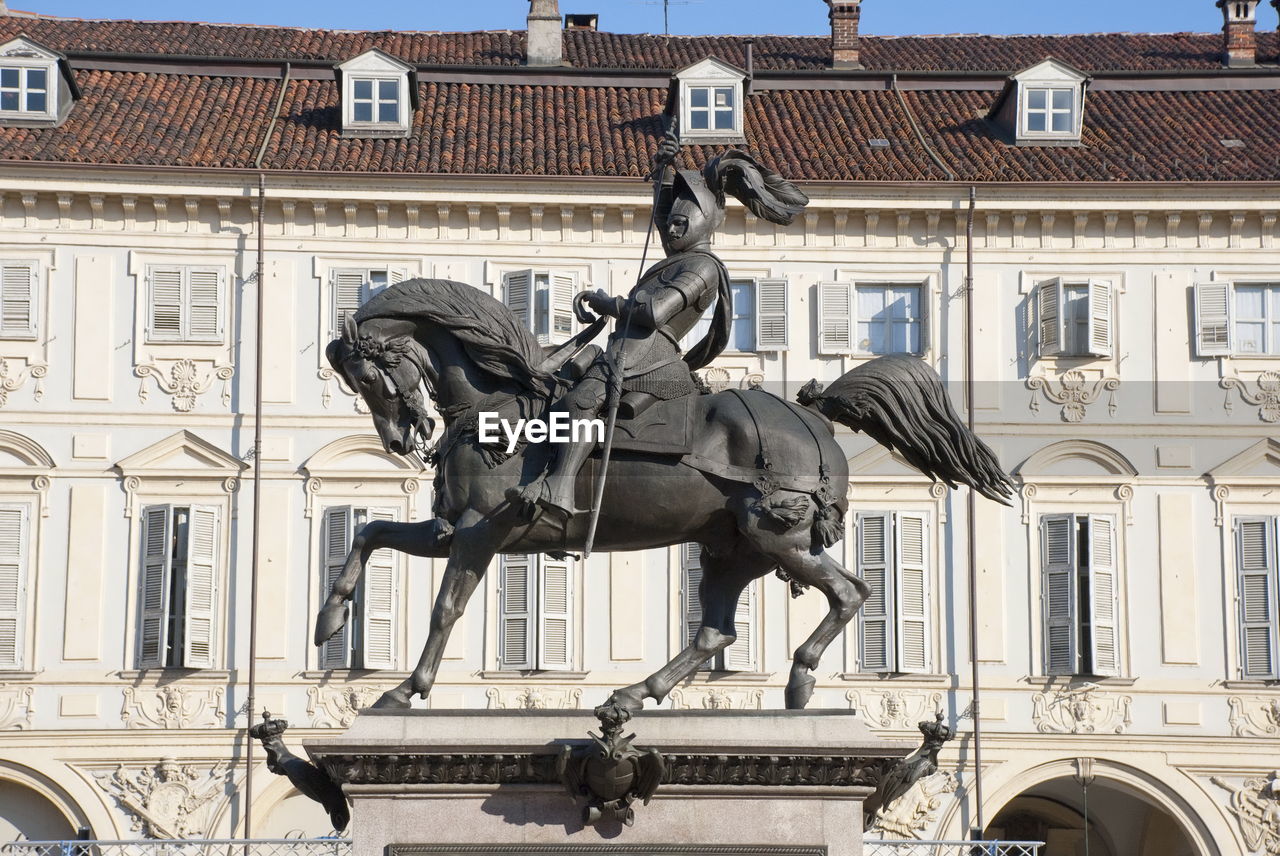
{"x":666,"y":10}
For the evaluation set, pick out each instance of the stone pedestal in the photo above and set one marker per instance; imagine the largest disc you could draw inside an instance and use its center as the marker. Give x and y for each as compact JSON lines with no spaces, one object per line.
{"x":486,"y":782}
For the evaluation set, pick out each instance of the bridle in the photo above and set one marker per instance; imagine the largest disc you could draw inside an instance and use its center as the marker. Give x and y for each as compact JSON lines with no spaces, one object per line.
{"x":386,"y":358}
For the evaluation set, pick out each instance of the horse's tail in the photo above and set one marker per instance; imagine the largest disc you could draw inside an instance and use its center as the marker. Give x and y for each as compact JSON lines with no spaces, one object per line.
{"x":900,"y":402}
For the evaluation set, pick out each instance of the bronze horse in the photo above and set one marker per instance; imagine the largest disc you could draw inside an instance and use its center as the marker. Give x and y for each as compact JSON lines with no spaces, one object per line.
{"x":764,"y":487}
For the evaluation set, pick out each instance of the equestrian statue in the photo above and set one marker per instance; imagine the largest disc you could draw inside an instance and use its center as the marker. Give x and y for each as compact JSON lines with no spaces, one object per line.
{"x":758,"y":482}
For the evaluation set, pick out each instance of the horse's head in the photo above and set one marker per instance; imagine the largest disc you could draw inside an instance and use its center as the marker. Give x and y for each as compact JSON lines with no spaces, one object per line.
{"x":384,"y":365}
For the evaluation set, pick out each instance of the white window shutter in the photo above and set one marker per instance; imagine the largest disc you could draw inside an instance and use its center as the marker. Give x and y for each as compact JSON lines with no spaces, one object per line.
{"x":204,"y":304}
{"x":1214,"y":311}
{"x":17,"y":299}
{"x":335,"y":542}
{"x":1256,"y":568}
{"x":395,"y":275}
{"x":563,"y":288}
{"x":835,"y":318}
{"x":914,"y":639}
{"x":164,"y":312}
{"x":517,"y":293}
{"x":1105,"y":641}
{"x":555,"y":614}
{"x":517,"y":586}
{"x":1049,"y":300}
{"x":771,"y":315}
{"x":202,"y":580}
{"x":925,"y":320}
{"x":348,"y":288}
{"x":1058,"y":592}
{"x":691,"y":583}
{"x":378,"y":626}
{"x":1101,"y":318}
{"x":741,"y":655}
{"x":157,"y":566}
{"x":875,"y":564}
{"x":14,"y":529}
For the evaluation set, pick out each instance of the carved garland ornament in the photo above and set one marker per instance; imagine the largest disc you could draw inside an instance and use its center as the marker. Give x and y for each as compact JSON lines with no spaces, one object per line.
{"x":897,"y":709}
{"x":1267,"y":397}
{"x":184,"y":382}
{"x":715,"y":698}
{"x":1073,"y":394}
{"x":533,"y":698}
{"x":172,"y":707}
{"x":1082,"y":710}
{"x":337,"y":707}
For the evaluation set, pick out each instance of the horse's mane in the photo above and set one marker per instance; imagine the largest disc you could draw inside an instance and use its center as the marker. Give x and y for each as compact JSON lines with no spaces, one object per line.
{"x":489,"y":332}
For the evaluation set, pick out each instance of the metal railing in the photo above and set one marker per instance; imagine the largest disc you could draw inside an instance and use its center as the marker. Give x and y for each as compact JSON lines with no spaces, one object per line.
{"x":951,"y":848}
{"x":183,"y":847}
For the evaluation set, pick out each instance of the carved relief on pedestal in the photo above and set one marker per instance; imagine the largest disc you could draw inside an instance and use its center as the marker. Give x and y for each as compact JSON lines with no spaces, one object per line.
{"x":914,"y":814}
{"x":1081,"y":710}
{"x":898,"y":709}
{"x":15,"y":372}
{"x":716,"y":698}
{"x":719,"y":378}
{"x":1074,"y":393}
{"x":167,"y":800}
{"x":1256,"y":806}
{"x":533,"y":698}
{"x":16,"y":712}
{"x":185,"y":380}
{"x":173,"y":707}
{"x":337,"y":707}
{"x":1254,"y":716}
{"x":1265,"y":396}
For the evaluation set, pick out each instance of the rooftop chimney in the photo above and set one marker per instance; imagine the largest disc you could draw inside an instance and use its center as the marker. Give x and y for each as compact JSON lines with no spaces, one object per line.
{"x":1239,"y":32}
{"x":581,"y":22}
{"x":844,"y":16}
{"x":544,"y":45}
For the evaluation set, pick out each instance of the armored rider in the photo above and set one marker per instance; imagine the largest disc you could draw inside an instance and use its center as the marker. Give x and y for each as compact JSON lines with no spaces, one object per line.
{"x":667,"y":303}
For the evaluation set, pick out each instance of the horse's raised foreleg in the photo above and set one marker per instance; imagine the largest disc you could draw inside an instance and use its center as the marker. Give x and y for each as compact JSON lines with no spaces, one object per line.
{"x":844,"y":592}
{"x":723,"y":580}
{"x":474,"y":544}
{"x":430,"y":538}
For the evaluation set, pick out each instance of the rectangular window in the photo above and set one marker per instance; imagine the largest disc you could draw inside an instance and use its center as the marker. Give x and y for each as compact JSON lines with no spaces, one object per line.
{"x":896,"y":622}
{"x":185,"y":303}
{"x":741,"y":656}
{"x":179,"y":578}
{"x":1075,"y":318}
{"x":1240,"y":319}
{"x":18,"y":299}
{"x":24,"y":90}
{"x":372,"y":98}
{"x":1050,"y":110}
{"x":1258,"y":588}
{"x":367,"y":640}
{"x":711,"y":108}
{"x":536,"y":613}
{"x":871,"y":318}
{"x":544,"y":301}
{"x":759,"y":317}
{"x":352,"y":287}
{"x":1078,"y":594}
{"x":15,"y":529}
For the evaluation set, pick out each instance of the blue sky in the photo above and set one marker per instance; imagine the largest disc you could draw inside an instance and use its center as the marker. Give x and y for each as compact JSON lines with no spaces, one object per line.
{"x":886,"y":17}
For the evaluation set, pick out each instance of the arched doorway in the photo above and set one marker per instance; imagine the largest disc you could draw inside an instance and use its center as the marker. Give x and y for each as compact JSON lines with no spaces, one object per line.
{"x":1119,"y":823}
{"x":27,"y":815}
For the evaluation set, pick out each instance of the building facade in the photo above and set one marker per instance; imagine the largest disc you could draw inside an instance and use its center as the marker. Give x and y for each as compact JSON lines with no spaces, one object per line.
{"x":1125,"y":325}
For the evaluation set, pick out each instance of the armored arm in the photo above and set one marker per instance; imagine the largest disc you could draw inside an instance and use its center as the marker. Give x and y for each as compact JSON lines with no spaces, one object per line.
{"x":653,"y":308}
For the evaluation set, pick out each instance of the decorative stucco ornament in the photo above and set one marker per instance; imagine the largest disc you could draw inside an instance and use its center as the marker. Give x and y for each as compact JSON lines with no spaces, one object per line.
{"x":1266,"y":398}
{"x":185,"y":380}
{"x":336,"y":707}
{"x":173,"y":706}
{"x":533,"y":698}
{"x":897,"y":709}
{"x":1254,"y":717}
{"x":1074,"y":394}
{"x":1081,"y":710}
{"x":914,"y":814}
{"x":1256,"y":806}
{"x":167,"y":800}
{"x":716,"y":698}
{"x":16,"y":712}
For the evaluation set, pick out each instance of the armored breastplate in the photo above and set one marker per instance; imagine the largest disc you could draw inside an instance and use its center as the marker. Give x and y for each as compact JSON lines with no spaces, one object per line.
{"x":689,"y":276}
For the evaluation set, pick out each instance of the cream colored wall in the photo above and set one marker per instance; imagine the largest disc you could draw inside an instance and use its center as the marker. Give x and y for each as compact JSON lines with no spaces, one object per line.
{"x":80,"y":707}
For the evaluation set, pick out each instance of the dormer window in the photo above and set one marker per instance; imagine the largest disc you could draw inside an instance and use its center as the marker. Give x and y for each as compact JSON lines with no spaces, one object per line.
{"x":36,"y":86}
{"x":1042,"y":105}
{"x":711,"y":102}
{"x":379,"y":93}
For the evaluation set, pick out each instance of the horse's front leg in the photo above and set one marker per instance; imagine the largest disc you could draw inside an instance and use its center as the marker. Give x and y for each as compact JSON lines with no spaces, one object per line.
{"x":474,"y":544}
{"x":430,"y":538}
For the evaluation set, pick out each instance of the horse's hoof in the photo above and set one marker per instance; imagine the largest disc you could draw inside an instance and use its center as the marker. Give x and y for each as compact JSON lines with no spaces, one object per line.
{"x":331,"y":619}
{"x":393,"y":699}
{"x":799,"y":691}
